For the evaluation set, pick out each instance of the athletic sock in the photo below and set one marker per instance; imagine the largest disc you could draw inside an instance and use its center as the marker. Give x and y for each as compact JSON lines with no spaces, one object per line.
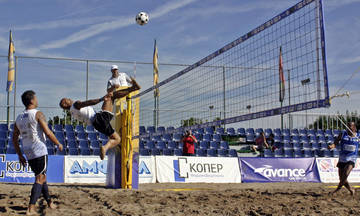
{"x":45,"y":192}
{"x":35,"y":193}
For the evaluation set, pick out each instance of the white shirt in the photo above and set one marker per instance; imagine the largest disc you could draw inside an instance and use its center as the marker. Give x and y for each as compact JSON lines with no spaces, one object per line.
{"x":33,"y":137}
{"x":85,"y":114}
{"x":123,"y":80}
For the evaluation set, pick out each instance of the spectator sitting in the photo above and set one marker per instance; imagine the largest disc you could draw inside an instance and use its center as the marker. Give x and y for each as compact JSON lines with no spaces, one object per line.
{"x":260,"y":142}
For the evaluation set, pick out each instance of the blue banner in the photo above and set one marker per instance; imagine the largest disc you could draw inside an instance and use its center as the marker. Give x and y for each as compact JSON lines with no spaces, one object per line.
{"x":279,"y":170}
{"x":12,"y":171}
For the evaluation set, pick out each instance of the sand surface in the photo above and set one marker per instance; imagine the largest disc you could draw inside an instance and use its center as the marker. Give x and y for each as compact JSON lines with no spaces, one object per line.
{"x":202,"y":199}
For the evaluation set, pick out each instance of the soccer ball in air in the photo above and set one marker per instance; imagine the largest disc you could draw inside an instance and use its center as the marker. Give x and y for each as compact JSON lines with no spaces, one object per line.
{"x":142,"y":18}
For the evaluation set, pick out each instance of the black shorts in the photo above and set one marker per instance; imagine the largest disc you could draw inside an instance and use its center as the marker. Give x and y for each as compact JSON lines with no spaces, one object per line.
{"x":101,"y":122}
{"x":342,"y":165}
{"x":39,"y":165}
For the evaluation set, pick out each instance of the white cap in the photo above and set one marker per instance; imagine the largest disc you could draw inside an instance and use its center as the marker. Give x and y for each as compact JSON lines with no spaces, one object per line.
{"x":114,"y":67}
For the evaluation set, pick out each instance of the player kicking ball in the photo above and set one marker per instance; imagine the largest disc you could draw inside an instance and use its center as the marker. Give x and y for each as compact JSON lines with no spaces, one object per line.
{"x":84,"y":112}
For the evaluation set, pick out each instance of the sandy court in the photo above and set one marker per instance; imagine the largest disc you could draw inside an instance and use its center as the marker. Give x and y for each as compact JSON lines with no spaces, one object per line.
{"x":186,"y":199}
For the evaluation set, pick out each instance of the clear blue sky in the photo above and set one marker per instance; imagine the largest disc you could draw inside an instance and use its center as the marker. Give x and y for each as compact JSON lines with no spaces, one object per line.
{"x":186,"y":31}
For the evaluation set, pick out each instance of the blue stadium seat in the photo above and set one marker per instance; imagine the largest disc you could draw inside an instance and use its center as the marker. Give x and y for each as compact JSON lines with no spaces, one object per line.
{"x":307,"y":153}
{"x":201,"y":152}
{"x":170,"y":129}
{"x":68,"y":128}
{"x":4,"y":127}
{"x":2,"y":150}
{"x":211,"y":153}
{"x":11,"y":127}
{"x":241,"y":132}
{"x":50,"y":144}
{"x":72,"y":144}
{"x":315,"y":145}
{"x":73,"y":151}
{"x":161,"y":145}
{"x":156,"y":138}
{"x":167,"y":137}
{"x":92,"y":136}
{"x":180,"y":145}
{"x":224,"y":145}
{"x":311,"y":132}
{"x":177,"y":137}
{"x":10,"y":135}
{"x":286,"y":138}
{"x":316,"y":152}
{"x":268,"y":153}
{"x":277,"y":132}
{"x":144,"y":152}
{"x":155,"y":151}
{"x":322,"y":140}
{"x":319,"y":132}
{"x":220,"y":131}
{"x":94,"y":144}
{"x":178,"y":152}
{"x":306,"y":145}
{"x":302,"y":132}
{"x":150,"y":129}
{"x":230,"y":131}
{"x":10,"y":151}
{"x":297,"y":146}
{"x":336,"y":133}
{"x":207,"y":137}
{"x":83,"y":144}
{"x":81,"y":136}
{"x":277,"y":138}
{"x":160,"y":129}
{"x":334,"y":152}
{"x":294,"y":132}
{"x":142,"y":130}
{"x":209,"y":130}
{"x":97,"y":152}
{"x":79,"y":129}
{"x":250,"y":131}
{"x":84,"y":151}
{"x":172,"y":145}
{"x":58,"y":128}
{"x":298,"y":153}
{"x":328,"y":132}
{"x":70,"y":136}
{"x":204,"y":144}
{"x":3,"y":135}
{"x":285,"y":132}
{"x":168,"y":152}
{"x":232,"y":153}
{"x":2,"y":144}
{"x":223,"y":152}
{"x":216,"y":137}
{"x":89,"y":129}
{"x":50,"y":127}
{"x":288,"y":153}
{"x":103,"y":137}
{"x":278,"y":153}
{"x":200,"y":130}
{"x":250,"y":138}
{"x":150,"y":145}
{"x":325,"y":153}
{"x":258,"y":131}
{"x":142,"y":144}
{"x":330,"y":139}
{"x":268,"y":131}
{"x":214,"y":145}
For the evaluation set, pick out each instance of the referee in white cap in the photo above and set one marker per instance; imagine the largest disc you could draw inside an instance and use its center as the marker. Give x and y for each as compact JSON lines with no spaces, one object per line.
{"x":118,"y":79}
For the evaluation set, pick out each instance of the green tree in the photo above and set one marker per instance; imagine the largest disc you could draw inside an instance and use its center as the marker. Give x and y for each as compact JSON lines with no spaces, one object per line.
{"x":191,"y":121}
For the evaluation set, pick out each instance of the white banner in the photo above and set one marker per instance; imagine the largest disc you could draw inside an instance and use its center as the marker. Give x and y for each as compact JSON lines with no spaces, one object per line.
{"x":197,"y":169}
{"x":147,"y":169}
{"x":85,"y":169}
{"x":329,"y":172}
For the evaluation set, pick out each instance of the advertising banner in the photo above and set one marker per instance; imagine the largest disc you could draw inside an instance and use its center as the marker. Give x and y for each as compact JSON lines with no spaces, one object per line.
{"x":279,"y":170}
{"x":12,"y":171}
{"x":329,"y":172}
{"x":85,"y":169}
{"x":147,"y":169}
{"x":197,"y":169}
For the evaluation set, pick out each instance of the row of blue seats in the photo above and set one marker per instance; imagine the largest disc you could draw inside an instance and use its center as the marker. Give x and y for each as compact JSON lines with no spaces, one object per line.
{"x":179,"y":145}
{"x":57,"y":127}
{"x":301,"y":153}
{"x":198,"y":152}
{"x":55,"y":151}
{"x":244,"y":132}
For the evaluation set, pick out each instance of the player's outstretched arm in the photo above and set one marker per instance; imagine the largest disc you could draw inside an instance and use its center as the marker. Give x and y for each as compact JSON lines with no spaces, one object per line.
{"x":40,"y":117}
{"x":80,"y":104}
{"x":15,"y":140}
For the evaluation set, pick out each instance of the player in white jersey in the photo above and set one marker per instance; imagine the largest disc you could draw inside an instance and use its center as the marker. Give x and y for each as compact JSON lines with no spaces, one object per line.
{"x":82,"y":111}
{"x":117,"y":79}
{"x":31,"y":125}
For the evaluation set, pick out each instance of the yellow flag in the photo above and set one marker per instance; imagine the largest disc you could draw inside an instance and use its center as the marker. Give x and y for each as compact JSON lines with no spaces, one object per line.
{"x":156,"y":70}
{"x":11,"y":68}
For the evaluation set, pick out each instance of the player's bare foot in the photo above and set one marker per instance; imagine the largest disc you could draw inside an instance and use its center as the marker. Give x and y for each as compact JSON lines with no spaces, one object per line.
{"x":135,"y":84}
{"x":102,"y":152}
{"x":52,"y":205}
{"x":31,"y":211}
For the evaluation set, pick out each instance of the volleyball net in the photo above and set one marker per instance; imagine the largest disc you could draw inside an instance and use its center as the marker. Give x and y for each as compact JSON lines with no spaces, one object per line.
{"x":249,"y":78}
